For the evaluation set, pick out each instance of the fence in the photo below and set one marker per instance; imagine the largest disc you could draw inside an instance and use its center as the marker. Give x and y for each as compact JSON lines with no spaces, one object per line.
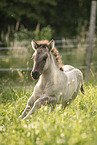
{"x":67,"y":47}
{"x":73,"y":52}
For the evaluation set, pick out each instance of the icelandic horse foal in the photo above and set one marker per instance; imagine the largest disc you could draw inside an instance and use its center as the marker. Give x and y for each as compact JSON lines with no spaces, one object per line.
{"x":56,"y":84}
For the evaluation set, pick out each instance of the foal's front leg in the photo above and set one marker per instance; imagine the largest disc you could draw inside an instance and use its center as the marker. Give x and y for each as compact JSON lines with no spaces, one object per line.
{"x":41,"y":101}
{"x":29,"y":105}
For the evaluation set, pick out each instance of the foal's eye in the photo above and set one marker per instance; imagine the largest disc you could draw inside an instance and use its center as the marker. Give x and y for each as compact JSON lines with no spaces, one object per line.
{"x":45,"y":57}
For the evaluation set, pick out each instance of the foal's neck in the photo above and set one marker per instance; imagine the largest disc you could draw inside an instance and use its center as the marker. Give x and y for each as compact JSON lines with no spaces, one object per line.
{"x":49,"y":75}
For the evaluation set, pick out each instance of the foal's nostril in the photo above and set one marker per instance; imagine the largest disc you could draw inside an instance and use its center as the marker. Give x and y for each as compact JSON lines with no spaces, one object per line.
{"x":35,"y":75}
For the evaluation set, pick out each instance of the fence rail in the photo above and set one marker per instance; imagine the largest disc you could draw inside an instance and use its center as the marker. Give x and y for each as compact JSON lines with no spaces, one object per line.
{"x":14,"y":56}
{"x":6,"y":48}
{"x":15,"y":69}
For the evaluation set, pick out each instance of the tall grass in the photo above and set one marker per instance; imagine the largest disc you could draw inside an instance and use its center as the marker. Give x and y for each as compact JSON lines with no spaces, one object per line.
{"x":75,"y":125}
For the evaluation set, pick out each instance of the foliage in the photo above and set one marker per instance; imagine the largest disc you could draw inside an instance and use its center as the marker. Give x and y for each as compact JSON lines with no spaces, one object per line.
{"x":26,"y":35}
{"x":46,"y":33}
{"x":62,"y":15}
{"x":77,"y":124}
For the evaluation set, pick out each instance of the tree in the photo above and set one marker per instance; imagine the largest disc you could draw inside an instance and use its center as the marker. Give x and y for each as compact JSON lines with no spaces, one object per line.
{"x":62,"y":15}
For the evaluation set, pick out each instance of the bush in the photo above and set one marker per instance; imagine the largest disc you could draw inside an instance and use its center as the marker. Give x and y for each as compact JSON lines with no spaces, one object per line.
{"x":25,"y":35}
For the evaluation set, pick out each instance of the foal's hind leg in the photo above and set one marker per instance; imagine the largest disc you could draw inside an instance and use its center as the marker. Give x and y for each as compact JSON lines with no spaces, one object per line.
{"x":65,"y":104}
{"x":39,"y":102}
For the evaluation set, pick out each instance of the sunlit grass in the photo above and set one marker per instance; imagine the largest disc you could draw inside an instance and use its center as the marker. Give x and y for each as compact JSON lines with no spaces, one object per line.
{"x":75,"y":125}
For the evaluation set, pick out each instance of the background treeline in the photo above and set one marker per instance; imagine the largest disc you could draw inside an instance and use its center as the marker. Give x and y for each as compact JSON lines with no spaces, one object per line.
{"x":65,"y":17}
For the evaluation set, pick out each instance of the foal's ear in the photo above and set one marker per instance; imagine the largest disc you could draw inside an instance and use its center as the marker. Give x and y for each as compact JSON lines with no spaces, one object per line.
{"x":51,"y":44}
{"x":34,"y":44}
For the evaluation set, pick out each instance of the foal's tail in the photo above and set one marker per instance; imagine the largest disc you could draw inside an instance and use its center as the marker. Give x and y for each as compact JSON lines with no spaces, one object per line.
{"x":82,"y":89}
{"x":82,"y":84}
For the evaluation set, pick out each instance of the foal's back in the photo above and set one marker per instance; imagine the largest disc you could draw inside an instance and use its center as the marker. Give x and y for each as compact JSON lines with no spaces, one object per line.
{"x":72,"y":72}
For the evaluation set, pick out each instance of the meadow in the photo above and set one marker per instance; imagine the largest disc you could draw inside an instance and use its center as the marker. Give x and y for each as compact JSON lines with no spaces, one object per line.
{"x":74,"y":125}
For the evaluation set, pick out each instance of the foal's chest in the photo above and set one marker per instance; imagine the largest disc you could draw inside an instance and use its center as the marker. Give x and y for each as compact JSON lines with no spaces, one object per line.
{"x":52,"y":89}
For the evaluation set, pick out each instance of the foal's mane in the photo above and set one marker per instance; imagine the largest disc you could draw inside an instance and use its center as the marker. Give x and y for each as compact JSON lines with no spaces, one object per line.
{"x":54,"y":51}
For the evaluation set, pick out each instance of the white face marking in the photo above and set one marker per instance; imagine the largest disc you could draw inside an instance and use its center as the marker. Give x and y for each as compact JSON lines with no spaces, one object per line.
{"x":33,"y":56}
{"x":33,"y":44}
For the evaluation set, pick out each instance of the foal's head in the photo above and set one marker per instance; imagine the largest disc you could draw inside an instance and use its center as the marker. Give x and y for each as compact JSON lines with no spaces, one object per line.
{"x":41,"y":57}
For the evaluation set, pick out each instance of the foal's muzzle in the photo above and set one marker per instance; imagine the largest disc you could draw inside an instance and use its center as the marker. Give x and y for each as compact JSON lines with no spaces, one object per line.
{"x":35,"y":74}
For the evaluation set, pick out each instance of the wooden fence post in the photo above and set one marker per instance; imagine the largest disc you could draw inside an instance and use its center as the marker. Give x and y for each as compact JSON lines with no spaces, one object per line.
{"x":91,"y":36}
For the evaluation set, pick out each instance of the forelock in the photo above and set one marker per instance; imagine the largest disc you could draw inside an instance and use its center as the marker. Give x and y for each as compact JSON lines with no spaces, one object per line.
{"x":43,"y":44}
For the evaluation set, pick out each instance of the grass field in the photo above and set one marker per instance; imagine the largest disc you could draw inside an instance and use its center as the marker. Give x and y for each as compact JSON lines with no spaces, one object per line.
{"x":75,"y":125}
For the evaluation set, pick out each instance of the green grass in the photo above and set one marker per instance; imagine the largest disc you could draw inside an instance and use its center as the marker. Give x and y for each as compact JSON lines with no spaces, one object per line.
{"x":75,"y":125}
